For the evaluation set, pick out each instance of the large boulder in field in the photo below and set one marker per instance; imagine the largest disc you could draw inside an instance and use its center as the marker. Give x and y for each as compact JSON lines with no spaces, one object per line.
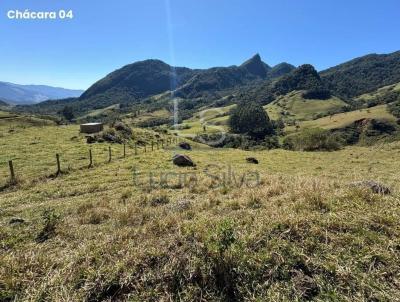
{"x":185,"y":146}
{"x":374,"y":186}
{"x":182,"y":160}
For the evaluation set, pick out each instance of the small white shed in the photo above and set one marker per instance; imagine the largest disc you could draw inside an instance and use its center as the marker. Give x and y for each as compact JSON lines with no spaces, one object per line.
{"x":90,"y":128}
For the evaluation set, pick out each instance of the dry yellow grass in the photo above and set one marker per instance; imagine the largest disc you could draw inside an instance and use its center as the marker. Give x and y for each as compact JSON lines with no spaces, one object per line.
{"x":302,"y":233}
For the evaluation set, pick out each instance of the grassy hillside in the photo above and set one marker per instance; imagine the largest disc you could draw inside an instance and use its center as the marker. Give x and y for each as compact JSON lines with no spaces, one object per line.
{"x":214,"y":119}
{"x":341,"y":120}
{"x":294,"y":106}
{"x":291,"y":107}
{"x":145,"y":116}
{"x":94,"y":235}
{"x":379,"y":92}
{"x":99,"y":112}
{"x":12,"y":122}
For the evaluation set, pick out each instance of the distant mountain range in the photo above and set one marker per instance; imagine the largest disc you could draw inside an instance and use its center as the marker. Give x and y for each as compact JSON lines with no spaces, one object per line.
{"x":151,"y":83}
{"x":16,"y":94}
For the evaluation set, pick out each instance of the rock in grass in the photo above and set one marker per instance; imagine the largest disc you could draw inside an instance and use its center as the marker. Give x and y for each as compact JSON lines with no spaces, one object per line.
{"x":252,"y":160}
{"x":185,"y":146}
{"x":182,"y":160}
{"x":374,"y":186}
{"x":16,"y":220}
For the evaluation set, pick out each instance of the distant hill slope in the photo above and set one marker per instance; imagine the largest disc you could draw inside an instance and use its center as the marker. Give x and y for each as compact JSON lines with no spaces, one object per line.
{"x":305,"y":77}
{"x":344,"y":119}
{"x":148,"y":84}
{"x":293,"y":106}
{"x":32,"y":94}
{"x":142,"y":79}
{"x":217,"y":79}
{"x":363,"y":75}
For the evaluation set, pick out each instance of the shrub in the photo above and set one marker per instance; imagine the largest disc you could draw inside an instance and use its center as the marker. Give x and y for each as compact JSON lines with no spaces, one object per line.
{"x":394,"y":108}
{"x":315,"y":139}
{"x":124,"y":129}
{"x":317,"y":94}
{"x":250,"y":119}
{"x":227,"y":140}
{"x":68,"y":113}
{"x":51,"y":219}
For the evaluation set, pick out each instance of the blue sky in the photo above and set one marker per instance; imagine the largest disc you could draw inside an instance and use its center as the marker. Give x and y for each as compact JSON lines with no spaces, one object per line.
{"x":105,"y":35}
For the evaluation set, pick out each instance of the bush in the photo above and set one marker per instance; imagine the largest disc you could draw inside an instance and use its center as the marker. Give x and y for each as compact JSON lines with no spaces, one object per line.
{"x":250,"y":119}
{"x":378,"y":127}
{"x":315,"y":139}
{"x":50,"y":221}
{"x":227,"y":140}
{"x":395,"y":108}
{"x":123,"y":129}
{"x":317,"y":94}
{"x":68,"y":113}
{"x":154,"y":122}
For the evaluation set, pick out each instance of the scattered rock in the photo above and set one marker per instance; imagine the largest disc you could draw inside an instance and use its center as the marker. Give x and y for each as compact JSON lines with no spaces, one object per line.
{"x":16,"y":220}
{"x":374,"y":186}
{"x":252,"y":160}
{"x":185,"y":146}
{"x":183,"y":160}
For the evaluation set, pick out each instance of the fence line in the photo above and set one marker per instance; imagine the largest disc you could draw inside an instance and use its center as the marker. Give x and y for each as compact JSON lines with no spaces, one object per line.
{"x":14,"y":179}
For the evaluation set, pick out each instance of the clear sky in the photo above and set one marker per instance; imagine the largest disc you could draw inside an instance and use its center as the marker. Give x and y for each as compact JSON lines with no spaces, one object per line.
{"x":105,"y":35}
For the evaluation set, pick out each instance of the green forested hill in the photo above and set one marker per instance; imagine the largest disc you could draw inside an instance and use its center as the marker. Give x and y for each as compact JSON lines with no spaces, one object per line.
{"x":362,"y":75}
{"x":139,"y":83}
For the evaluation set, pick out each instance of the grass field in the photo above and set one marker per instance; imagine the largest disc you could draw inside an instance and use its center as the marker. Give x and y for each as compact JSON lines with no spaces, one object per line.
{"x":99,"y":112}
{"x":379,"y":92}
{"x":294,"y":106}
{"x":206,"y":233}
{"x":215,"y":120}
{"x":162,"y":113}
{"x":289,"y":107}
{"x":341,"y":120}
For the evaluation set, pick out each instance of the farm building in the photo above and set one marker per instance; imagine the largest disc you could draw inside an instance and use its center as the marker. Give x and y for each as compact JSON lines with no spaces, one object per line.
{"x":91,"y":128}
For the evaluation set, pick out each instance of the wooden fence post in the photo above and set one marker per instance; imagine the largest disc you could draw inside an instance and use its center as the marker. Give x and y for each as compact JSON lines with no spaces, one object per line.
{"x":90,"y":158}
{"x":162,"y":144}
{"x":12,"y":174}
{"x":136,"y":149}
{"x":109,"y":154}
{"x":58,"y":164}
{"x":124,"y":150}
{"x":145,"y":148}
{"x":152,"y":146}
